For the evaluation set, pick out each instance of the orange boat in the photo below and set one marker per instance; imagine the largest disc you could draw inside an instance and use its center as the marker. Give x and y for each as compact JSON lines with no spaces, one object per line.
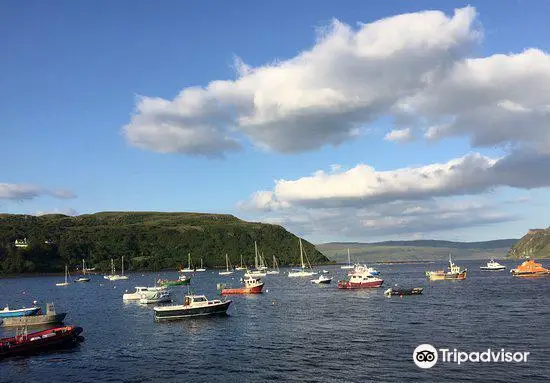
{"x":530,"y":268}
{"x":251,"y":286}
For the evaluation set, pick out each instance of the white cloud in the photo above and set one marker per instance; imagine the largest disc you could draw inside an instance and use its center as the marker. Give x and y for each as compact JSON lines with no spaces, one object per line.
{"x":320,"y":97}
{"x":400,"y":135}
{"x":21,"y":192}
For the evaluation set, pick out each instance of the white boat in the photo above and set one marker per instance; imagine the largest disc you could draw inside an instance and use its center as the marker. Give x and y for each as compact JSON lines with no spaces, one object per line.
{"x":227,"y":271}
{"x":116,"y":277}
{"x":189,"y":269}
{"x":156,"y":297}
{"x":275,"y":267}
{"x":83,"y":278}
{"x":140,"y":292}
{"x":349,"y":265}
{"x":261,"y":266}
{"x":241,"y":267}
{"x":200,"y":269}
{"x":303,"y":271}
{"x":322,"y":280}
{"x":493,"y":266}
{"x":66,"y":283}
{"x":257,"y":272}
{"x":361,"y":269}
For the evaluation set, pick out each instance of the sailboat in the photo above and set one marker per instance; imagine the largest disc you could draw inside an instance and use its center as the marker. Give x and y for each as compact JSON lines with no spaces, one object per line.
{"x":262,"y":266}
{"x":189,"y":269}
{"x":256,"y":273}
{"x":349,"y":265}
{"x":227,"y":271}
{"x":66,"y":283}
{"x":302,"y":272}
{"x":116,"y":277}
{"x":241,"y":267}
{"x":275,"y":267}
{"x":83,"y":278}
{"x":201,"y":268}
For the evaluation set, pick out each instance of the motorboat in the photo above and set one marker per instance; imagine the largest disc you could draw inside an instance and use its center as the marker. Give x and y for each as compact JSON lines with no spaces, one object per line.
{"x":37,"y":319}
{"x":140,"y":292}
{"x":250,"y":286}
{"x":193,"y":306}
{"x":357,"y":268}
{"x":322,"y":280}
{"x":303,"y":271}
{"x":227,"y":264}
{"x":25,"y":343}
{"x":360,"y":280}
{"x":530,"y":268}
{"x":182,"y":280}
{"x":493,"y":266}
{"x":455,"y":273}
{"x":6,"y":312}
{"x":159,"y":296}
{"x":66,"y":283}
{"x":349,"y":265}
{"x":401,"y":292}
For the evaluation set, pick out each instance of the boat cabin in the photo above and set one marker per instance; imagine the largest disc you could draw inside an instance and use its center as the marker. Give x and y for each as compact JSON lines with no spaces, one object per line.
{"x":198,"y":300}
{"x":358,"y":278}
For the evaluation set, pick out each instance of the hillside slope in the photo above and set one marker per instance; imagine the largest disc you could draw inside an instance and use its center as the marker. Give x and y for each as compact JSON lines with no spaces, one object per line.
{"x":535,"y":244}
{"x":147,"y":240}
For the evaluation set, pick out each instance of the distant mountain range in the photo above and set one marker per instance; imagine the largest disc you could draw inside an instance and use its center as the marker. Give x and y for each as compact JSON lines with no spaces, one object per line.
{"x":419,"y":250}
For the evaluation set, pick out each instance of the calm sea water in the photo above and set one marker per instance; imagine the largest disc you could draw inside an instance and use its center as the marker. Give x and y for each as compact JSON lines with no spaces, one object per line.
{"x":295,"y":331}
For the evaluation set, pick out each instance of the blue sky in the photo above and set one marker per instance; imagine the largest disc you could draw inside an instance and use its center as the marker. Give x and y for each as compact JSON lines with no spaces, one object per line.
{"x":73,"y":72}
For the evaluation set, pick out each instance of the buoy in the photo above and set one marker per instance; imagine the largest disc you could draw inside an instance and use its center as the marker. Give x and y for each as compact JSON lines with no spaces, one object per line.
{"x":267,"y":291}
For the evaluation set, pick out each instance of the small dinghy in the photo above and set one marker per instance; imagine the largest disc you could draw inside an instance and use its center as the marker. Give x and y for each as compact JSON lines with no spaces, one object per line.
{"x":322,"y":280}
{"x":37,"y":319}
{"x":397,"y":291}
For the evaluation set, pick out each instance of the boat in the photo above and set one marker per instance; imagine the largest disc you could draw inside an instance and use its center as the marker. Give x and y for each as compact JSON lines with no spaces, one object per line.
{"x":349,"y":265}
{"x":189,"y":269}
{"x":227,"y":271}
{"x":530,"y":268}
{"x":25,"y":311}
{"x":493,"y":266}
{"x":37,"y":319}
{"x":261,"y":266}
{"x":182,"y":280}
{"x":275,"y":270}
{"x":83,"y":278}
{"x":401,"y":292}
{"x":66,"y":283}
{"x":251,"y":286}
{"x":241,"y":267}
{"x":325,"y":272}
{"x":455,"y":272}
{"x":324,"y":280}
{"x":116,"y":277}
{"x":193,"y":306}
{"x":140,"y":292}
{"x":303,"y":271}
{"x":201,"y":269}
{"x":360,"y":280}
{"x":357,"y":268}
{"x":24,"y":343}
{"x":257,"y":272}
{"x":159,"y":296}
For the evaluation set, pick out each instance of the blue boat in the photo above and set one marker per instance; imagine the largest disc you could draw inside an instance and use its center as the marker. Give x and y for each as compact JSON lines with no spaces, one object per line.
{"x":26,"y":311}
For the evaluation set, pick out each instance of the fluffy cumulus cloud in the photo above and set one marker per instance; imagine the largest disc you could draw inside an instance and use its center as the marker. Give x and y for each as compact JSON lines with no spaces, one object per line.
{"x":21,"y":192}
{"x":322,"y":96}
{"x":400,"y":135}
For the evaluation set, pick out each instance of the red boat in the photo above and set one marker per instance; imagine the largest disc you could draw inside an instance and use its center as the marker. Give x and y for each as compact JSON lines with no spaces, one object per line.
{"x":360,"y":281}
{"x":251,"y":286}
{"x":52,"y":338}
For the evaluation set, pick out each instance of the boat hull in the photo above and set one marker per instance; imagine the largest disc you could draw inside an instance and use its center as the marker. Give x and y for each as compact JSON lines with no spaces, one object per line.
{"x":402,"y":292}
{"x":530,"y":274}
{"x":34,"y":320}
{"x":19,"y":313}
{"x":40,"y":341}
{"x":82,"y":280}
{"x":244,"y":290}
{"x":178,"y":282}
{"x":182,"y":313}
{"x":362,"y":285}
{"x":436,"y":276}
{"x":486,"y":268}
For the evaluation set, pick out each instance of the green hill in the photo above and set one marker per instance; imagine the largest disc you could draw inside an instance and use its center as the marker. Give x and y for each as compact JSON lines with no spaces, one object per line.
{"x":147,"y":240}
{"x":421,"y":250}
{"x":535,"y":244}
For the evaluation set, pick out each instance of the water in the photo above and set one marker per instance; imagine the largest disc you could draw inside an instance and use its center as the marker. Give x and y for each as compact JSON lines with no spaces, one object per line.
{"x":295,"y":331}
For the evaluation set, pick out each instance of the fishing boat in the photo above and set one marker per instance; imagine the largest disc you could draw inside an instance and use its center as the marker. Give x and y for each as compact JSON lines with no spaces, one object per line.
{"x":493,"y":266}
{"x":241,"y":266}
{"x":193,"y":306}
{"x":227,"y":264}
{"x":188,"y":269}
{"x":530,"y":268}
{"x":250,"y":286}
{"x":202,"y":268}
{"x":401,"y":292}
{"x":140,"y":292}
{"x":257,"y":272}
{"x":182,"y":280}
{"x":323,"y":280}
{"x":349,"y":265}
{"x":83,"y":278}
{"x":455,"y":273}
{"x":37,"y":319}
{"x":6,"y":312}
{"x":160,"y":296}
{"x":25,"y":343}
{"x":275,"y":270}
{"x":303,"y":271}
{"x":360,"y":280}
{"x":66,"y":283}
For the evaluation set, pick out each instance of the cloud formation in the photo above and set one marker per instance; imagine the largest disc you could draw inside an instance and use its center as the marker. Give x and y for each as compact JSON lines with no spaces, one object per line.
{"x":21,"y":192}
{"x":400,"y":135}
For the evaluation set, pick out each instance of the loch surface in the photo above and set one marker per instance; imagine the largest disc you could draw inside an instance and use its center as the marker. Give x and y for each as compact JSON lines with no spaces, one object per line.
{"x":295,"y":331}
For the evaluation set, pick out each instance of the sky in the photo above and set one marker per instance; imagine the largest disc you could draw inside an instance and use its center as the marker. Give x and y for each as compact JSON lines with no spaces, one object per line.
{"x":341,"y":121}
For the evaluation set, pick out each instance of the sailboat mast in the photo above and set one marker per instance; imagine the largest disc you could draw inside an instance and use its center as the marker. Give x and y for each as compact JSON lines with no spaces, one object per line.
{"x":226,"y":262}
{"x":349,"y":258}
{"x":66,"y":273}
{"x":255,"y":255}
{"x":189,"y":261}
{"x":302,"y":254}
{"x":122,"y":265}
{"x":83,"y":267}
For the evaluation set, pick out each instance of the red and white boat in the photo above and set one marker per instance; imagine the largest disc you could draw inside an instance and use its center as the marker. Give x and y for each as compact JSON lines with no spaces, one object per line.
{"x":25,"y":343}
{"x":360,"y":281}
{"x":251,"y":286}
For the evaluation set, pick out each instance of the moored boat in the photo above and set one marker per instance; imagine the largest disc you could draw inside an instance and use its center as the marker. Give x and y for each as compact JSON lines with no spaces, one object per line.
{"x":357,"y":268}
{"x":25,"y":311}
{"x":189,"y":268}
{"x":360,"y":280}
{"x":182,"y":280}
{"x":493,"y":266}
{"x":227,"y":266}
{"x":38,"y":319}
{"x":156,"y":297}
{"x":349,"y":265}
{"x":201,"y":269}
{"x":530,"y":268}
{"x":401,"y":292}
{"x":250,"y":286}
{"x":66,"y":283}
{"x":454,"y":273}
{"x":193,"y":306}
{"x":323,"y":280}
{"x":140,"y":292}
{"x":303,"y":271}
{"x":83,"y":278}
{"x":25,"y":343}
